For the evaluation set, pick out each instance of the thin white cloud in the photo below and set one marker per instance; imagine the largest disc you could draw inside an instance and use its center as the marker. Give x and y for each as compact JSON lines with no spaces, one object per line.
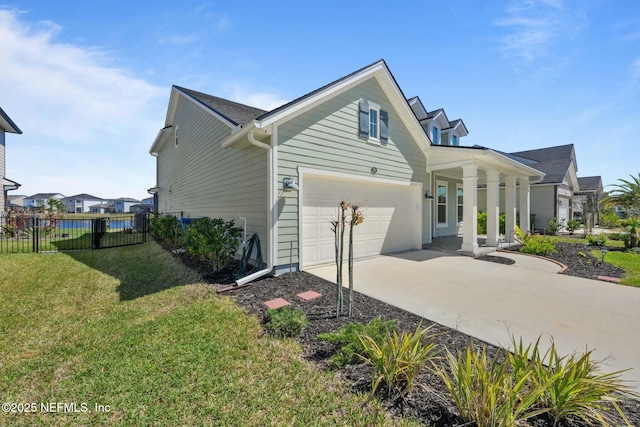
{"x":77,"y":112}
{"x":534,"y":25}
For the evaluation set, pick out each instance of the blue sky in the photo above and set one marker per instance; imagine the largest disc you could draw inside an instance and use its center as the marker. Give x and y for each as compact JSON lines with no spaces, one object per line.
{"x":88,"y":82}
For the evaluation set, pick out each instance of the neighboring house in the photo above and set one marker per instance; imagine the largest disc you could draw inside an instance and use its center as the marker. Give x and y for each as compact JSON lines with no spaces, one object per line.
{"x":145,"y":206}
{"x":123,"y":204}
{"x":587,"y":198}
{"x":37,"y":200}
{"x":102,"y":208}
{"x":357,"y":139}
{"x":81,"y":203}
{"x":15,"y":201}
{"x":6,"y":126}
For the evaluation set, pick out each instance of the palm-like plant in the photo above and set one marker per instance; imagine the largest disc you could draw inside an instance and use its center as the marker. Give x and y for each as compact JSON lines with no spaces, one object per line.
{"x":627,"y":195}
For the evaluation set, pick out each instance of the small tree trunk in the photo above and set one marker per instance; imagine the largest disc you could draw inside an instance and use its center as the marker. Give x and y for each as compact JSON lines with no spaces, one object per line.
{"x":343,"y":219}
{"x":336,"y":231}
{"x":350,"y":263}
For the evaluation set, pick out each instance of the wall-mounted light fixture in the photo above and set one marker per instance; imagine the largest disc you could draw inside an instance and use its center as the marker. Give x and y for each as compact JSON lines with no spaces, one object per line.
{"x":288,"y":184}
{"x":428,"y":195}
{"x":374,"y":170}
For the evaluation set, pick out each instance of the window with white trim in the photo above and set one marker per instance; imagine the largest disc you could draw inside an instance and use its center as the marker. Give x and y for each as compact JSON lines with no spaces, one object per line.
{"x":454,"y":140}
{"x":435,"y":134}
{"x":373,"y":123}
{"x":441,"y":204}
{"x":460,"y":203}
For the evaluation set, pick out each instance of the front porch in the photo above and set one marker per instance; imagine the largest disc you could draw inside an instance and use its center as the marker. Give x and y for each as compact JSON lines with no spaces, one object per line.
{"x":470,"y":168}
{"x":453,"y":244}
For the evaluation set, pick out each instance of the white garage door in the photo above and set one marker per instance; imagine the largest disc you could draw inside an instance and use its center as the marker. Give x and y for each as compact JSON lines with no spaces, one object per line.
{"x":392,"y":218}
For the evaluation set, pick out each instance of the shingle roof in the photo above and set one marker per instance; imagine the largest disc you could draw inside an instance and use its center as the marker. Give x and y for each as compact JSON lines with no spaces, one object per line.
{"x":9,"y":125}
{"x":553,"y":161}
{"x":43,"y":195}
{"x":236,"y":113}
{"x":590,"y":183}
{"x":320,"y":89}
{"x":548,"y":153}
{"x":84,"y":196}
{"x":432,"y":114}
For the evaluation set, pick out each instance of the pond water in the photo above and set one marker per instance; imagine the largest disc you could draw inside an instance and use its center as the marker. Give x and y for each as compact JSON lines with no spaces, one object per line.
{"x":86,"y":223}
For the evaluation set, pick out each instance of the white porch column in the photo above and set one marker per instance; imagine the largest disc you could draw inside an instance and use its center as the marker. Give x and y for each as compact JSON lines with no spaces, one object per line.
{"x":524,"y":203}
{"x":470,"y":208}
{"x":493,"y":207}
{"x":510,"y":206}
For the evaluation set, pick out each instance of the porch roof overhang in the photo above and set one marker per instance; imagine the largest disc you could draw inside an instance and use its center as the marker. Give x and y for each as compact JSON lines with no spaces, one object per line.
{"x":449,"y":160}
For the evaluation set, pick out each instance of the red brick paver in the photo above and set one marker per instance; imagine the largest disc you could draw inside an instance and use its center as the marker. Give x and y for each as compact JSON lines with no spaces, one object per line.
{"x":276,"y":303}
{"x":309,"y":295}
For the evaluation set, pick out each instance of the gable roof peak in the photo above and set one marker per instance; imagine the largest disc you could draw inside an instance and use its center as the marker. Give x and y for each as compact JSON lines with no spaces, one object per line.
{"x":234,"y":112}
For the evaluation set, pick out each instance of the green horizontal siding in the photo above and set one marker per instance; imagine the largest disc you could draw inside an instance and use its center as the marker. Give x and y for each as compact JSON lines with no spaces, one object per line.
{"x":200,"y":178}
{"x":326,"y":138}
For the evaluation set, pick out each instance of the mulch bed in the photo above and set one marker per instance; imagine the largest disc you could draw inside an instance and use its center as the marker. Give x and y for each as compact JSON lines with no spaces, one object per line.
{"x":577,"y":257}
{"x":429,"y":401}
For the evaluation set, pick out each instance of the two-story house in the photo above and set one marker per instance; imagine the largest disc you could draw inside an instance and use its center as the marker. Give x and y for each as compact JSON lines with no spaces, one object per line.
{"x":36,"y":201}
{"x":123,"y":204}
{"x":6,"y":126}
{"x":81,"y":203}
{"x":357,"y":139}
{"x":145,"y":206}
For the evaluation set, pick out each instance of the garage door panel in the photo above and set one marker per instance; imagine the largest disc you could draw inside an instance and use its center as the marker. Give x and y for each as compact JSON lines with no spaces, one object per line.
{"x":392,"y":217}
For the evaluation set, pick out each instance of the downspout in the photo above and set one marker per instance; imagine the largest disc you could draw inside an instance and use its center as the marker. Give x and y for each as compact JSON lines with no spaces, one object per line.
{"x":270,"y":194}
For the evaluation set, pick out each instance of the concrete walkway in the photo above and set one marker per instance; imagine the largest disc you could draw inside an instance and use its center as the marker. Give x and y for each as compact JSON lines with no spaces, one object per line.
{"x":492,"y":301}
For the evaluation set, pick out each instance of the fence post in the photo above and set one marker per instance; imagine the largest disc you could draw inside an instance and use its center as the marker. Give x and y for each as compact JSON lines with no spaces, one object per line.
{"x":35,"y":236}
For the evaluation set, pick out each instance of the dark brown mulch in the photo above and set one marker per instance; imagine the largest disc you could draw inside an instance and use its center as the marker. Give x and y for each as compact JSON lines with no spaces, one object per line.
{"x":428,"y":402}
{"x":577,"y":257}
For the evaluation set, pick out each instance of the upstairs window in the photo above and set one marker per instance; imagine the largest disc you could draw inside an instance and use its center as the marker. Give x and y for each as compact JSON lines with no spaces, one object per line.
{"x":373,"y":123}
{"x":175,"y":135}
{"x":454,"y":140}
{"x":435,"y":133}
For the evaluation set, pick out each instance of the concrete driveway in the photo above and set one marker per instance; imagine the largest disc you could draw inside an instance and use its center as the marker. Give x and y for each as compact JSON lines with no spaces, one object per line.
{"x":492,"y":301}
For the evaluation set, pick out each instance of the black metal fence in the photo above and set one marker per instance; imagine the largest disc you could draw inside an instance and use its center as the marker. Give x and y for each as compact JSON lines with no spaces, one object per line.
{"x":27,"y":232}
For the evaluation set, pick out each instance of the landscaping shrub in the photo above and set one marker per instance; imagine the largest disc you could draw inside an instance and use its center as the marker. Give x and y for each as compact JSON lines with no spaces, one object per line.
{"x":482,"y":222}
{"x":569,"y":385}
{"x":348,"y":343}
{"x":609,"y":220}
{"x":167,"y":228}
{"x":285,"y":322}
{"x":573,"y":225}
{"x":213,"y":240}
{"x":633,"y":226}
{"x":616,"y":236}
{"x":553,"y":226}
{"x":398,"y":359}
{"x":538,"y":245}
{"x":599,"y":240}
{"x":486,"y":393}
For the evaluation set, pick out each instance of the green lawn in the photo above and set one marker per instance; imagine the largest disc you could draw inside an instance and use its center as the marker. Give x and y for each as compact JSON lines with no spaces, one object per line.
{"x":131,"y":329}
{"x":628,"y":261}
